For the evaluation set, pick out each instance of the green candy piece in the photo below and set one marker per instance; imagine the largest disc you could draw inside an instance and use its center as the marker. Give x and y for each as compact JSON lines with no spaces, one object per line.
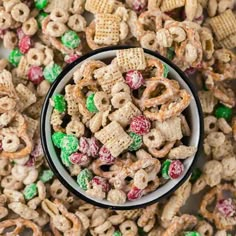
{"x":51,"y":72}
{"x":195,"y":175}
{"x":170,"y":53}
{"x":57,"y":137}
{"x":70,"y":39}
{"x":15,"y":56}
{"x":83,"y":178}
{"x":65,"y":159}
{"x":166,"y":71}
{"x":223,"y":112}
{"x":137,"y":141}
{"x":41,"y":4}
{"x":165,"y":169}
{"x":46,"y":176}
{"x":30,"y":191}
{"x":90,"y":103}
{"x":191,"y":233}
{"x":40,"y":17}
{"x":59,"y":103}
{"x":69,"y":144}
{"x":141,"y":232}
{"x":117,"y":233}
{"x":200,"y":217}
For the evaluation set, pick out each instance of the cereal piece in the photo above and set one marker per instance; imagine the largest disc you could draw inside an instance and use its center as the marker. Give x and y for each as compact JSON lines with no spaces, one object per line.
{"x":14,"y":57}
{"x":105,"y":156}
{"x":90,"y":103}
{"x":7,"y":104}
{"x":137,"y":142}
{"x":215,"y":139}
{"x":35,"y":57}
{"x":208,"y":101}
{"x":224,"y":126}
{"x":10,"y":143}
{"x":20,"y":12}
{"x":182,"y":152}
{"x":40,"y":17}
{"x":223,"y":112}
{"x":131,"y":59}
{"x":5,"y":20}
{"x":153,"y":139}
{"x":51,"y":72}
{"x":140,"y":125}
{"x":84,"y":177}
{"x":170,"y":5}
{"x":116,"y":196}
{"x":69,"y":144}
{"x":229,"y":42}
{"x":191,"y":7}
{"x":30,"y":191}
{"x":107,"y":29}
{"x":134,"y":79}
{"x":70,"y":39}
{"x":30,"y":27}
{"x":120,"y":99}
{"x":77,"y":23}
{"x":72,"y":104}
{"x":75,"y":127}
{"x":10,"y":40}
{"x":79,"y":159}
{"x":41,"y":4}
{"x":223,"y":25}
{"x":46,"y":176}
{"x":116,"y":141}
{"x":210,"y":124}
{"x":59,"y":103}
{"x":170,"y":129}
{"x":234,"y":127}
{"x":108,"y":76}
{"x":57,"y":137}
{"x":60,"y":15}
{"x":120,"y":87}
{"x":32,"y":126}
{"x":101,"y":101}
{"x":124,"y":114}
{"x":96,"y":122}
{"x":27,"y":98}
{"x":141,"y":179}
{"x":54,"y":4}
{"x":35,"y":74}
{"x":134,"y":194}
{"x":99,"y":6}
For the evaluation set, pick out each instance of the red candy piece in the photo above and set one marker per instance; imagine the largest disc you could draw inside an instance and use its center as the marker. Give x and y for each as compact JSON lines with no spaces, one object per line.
{"x":25,"y":44}
{"x":2,"y":33}
{"x":97,"y":180}
{"x":84,"y":145}
{"x":71,"y":58}
{"x":105,"y":156}
{"x":79,"y":159}
{"x":139,"y":5}
{"x":20,"y":33}
{"x":190,"y":71}
{"x":89,"y":146}
{"x":134,"y":79}
{"x":38,"y":150}
{"x":140,"y":125}
{"x":176,"y":169}
{"x":226,"y":207}
{"x":31,"y":162}
{"x":134,"y":194}
{"x":35,"y":75}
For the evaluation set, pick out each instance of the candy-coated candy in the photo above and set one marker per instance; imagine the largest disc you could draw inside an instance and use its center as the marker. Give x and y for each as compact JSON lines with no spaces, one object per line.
{"x":165,"y":169}
{"x":90,"y":103}
{"x":15,"y":56}
{"x":20,"y":33}
{"x":59,"y":103}
{"x":25,"y":44}
{"x":166,"y":71}
{"x":65,"y":159}
{"x":137,"y":141}
{"x":71,"y":58}
{"x":70,"y":39}
{"x":41,"y":4}
{"x":37,"y":150}
{"x":170,"y":53}
{"x":226,"y":207}
{"x":84,"y":144}
{"x":195,"y":175}
{"x":40,"y":17}
{"x":46,"y":176}
{"x":79,"y":159}
{"x":141,"y":232}
{"x":31,"y":162}
{"x":93,"y":147}
{"x":35,"y":74}
{"x":69,"y":144}
{"x":139,"y":5}
{"x":117,"y":233}
{"x":191,"y":233}
{"x":30,"y":191}
{"x":83,"y":178}
{"x":140,"y":125}
{"x":97,"y":180}
{"x":134,"y":79}
{"x":190,"y":71}
{"x":223,"y":112}
{"x":134,"y":194}
{"x":57,"y":137}
{"x":105,"y":156}
{"x":51,"y":72}
{"x":176,"y":169}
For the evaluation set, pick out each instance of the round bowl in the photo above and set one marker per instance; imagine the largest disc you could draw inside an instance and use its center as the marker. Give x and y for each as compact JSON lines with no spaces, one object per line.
{"x":193,"y":114}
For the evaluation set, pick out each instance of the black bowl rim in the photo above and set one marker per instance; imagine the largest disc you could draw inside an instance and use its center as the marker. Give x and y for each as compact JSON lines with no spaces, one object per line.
{"x":43,"y":138}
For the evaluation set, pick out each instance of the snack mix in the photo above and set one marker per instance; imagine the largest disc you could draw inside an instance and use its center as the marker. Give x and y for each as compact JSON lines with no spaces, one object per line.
{"x":134,"y":96}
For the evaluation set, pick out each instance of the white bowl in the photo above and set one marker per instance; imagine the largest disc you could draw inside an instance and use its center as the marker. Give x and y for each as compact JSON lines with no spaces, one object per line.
{"x":193,"y":114}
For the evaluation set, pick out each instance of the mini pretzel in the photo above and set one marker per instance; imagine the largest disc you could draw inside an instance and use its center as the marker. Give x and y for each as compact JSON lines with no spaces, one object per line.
{"x":20,"y":224}
{"x":160,"y":153}
{"x":180,"y":224}
{"x":217,"y":194}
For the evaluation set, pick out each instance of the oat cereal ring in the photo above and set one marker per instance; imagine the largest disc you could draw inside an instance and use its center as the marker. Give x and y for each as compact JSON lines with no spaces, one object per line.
{"x":210,"y":124}
{"x":20,"y":12}
{"x":180,"y":224}
{"x":75,"y":127}
{"x":153,"y":139}
{"x":128,"y":227}
{"x":10,"y":143}
{"x":120,"y":87}
{"x":77,"y":23}
{"x":10,"y":40}
{"x":20,"y":224}
{"x":5,"y":20}
{"x":59,"y":15}
{"x":7,"y":104}
{"x":35,"y":57}
{"x":224,"y":126}
{"x":149,"y":41}
{"x":55,"y":29}
{"x":116,"y":196}
{"x":204,"y":228}
{"x":30,"y":26}
{"x":101,"y":101}
{"x":120,"y":99}
{"x":215,"y":139}
{"x":58,"y":191}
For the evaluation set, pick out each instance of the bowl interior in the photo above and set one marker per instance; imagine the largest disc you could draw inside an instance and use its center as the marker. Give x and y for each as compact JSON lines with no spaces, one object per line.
{"x":192,"y":114}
